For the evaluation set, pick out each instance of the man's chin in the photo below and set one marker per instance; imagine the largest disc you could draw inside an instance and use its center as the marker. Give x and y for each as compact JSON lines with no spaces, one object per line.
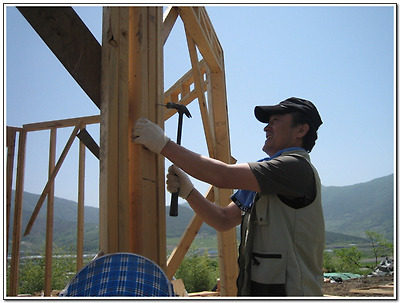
{"x":266,"y":150}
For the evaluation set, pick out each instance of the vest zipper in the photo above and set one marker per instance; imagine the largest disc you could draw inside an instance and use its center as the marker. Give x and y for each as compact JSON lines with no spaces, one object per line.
{"x":264,"y":256}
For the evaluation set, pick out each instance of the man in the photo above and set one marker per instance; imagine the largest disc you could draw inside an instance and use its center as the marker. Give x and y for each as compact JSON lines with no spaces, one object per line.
{"x":278,"y":203}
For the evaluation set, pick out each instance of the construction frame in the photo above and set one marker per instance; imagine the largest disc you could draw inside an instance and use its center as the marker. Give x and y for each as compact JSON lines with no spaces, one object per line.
{"x":124,"y":78}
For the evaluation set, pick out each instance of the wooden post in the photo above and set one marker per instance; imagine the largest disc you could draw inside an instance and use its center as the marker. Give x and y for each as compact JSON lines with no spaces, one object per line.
{"x":11,"y":133}
{"x":227,"y":241}
{"x":19,"y":190}
{"x":132,"y":200}
{"x":200,"y":33}
{"x":49,"y":218}
{"x":81,"y":206}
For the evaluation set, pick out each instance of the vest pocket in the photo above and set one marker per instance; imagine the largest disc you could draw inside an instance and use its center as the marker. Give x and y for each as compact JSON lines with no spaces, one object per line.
{"x":268,"y":268}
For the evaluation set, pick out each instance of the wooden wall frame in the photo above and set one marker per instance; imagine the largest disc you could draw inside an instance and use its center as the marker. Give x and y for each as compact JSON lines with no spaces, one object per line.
{"x":124,"y":78}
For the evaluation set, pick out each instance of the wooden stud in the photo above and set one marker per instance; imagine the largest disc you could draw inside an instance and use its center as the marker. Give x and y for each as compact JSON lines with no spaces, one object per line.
{"x":19,"y":191}
{"x":200,"y":33}
{"x":49,"y":218}
{"x":11,"y":134}
{"x":51,"y":180}
{"x":124,"y":225}
{"x":81,"y":206}
{"x":108,"y":211}
{"x":131,"y":177}
{"x":227,"y":241}
{"x":158,"y":43}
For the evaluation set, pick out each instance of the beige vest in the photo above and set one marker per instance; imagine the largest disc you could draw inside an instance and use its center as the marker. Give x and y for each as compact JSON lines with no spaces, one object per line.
{"x":283,"y":245}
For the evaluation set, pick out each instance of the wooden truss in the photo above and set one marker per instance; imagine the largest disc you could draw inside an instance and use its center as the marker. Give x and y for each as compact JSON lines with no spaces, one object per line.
{"x":124,"y":78}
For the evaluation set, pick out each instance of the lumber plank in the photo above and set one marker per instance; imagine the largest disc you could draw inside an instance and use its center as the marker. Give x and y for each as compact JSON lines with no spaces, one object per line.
{"x":200,"y":95}
{"x":227,"y":241}
{"x":204,"y":294}
{"x":198,"y":23}
{"x":49,"y":217}
{"x":81,"y":206}
{"x":71,"y":42}
{"x":11,"y":135}
{"x":61,"y":123}
{"x":186,"y":79}
{"x":374,"y":290}
{"x":183,"y":87}
{"x":123,"y":176}
{"x":89,"y":142}
{"x":108,"y":209}
{"x":131,"y":177}
{"x":169,"y":19}
{"x":17,"y":224}
{"x":50,"y":181}
{"x":179,"y":288}
{"x":159,"y":117}
{"x":186,"y":240}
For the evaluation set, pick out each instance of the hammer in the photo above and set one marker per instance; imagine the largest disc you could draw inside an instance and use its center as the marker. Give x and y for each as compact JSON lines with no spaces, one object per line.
{"x":182,"y":109}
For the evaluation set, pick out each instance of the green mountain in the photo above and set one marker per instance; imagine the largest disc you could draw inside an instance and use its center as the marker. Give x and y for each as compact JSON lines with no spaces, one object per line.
{"x":64,"y":226}
{"x":349,"y":211}
{"x":352,"y":210}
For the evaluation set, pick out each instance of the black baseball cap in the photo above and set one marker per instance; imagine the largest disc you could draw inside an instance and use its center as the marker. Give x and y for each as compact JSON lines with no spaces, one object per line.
{"x":293,"y":104}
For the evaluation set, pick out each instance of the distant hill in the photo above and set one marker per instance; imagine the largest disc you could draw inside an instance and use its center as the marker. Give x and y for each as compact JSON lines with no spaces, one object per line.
{"x":352,"y":210}
{"x":349,"y":211}
{"x":65,"y":224}
{"x":177,"y":225}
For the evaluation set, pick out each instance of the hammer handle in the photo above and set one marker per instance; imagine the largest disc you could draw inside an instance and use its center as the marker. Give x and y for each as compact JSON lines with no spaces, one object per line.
{"x":173,"y":208}
{"x":179,"y":131}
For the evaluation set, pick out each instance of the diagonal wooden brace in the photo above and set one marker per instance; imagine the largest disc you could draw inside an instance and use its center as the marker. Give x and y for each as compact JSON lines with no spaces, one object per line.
{"x":89,"y":142}
{"x":186,"y":240}
{"x":208,"y":131}
{"x":51,"y":179}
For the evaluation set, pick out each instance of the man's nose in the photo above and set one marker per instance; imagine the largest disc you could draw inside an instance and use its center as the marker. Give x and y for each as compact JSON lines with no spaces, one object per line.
{"x":266,"y":127}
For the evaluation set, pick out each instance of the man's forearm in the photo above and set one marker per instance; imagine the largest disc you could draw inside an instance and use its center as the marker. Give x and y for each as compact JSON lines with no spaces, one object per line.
{"x":202,"y":168}
{"x":212,"y":171}
{"x":220,"y":218}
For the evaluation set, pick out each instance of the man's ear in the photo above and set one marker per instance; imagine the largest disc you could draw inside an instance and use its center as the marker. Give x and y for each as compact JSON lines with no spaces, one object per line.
{"x":303,"y":129}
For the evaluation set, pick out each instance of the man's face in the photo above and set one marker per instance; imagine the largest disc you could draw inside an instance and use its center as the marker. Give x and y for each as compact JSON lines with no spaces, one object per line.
{"x":280,"y":134}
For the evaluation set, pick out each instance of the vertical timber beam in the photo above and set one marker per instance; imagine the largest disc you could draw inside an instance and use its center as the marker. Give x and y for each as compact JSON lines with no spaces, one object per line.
{"x":227,"y":241}
{"x":49,"y":218}
{"x":16,"y":240}
{"x":81,"y":206}
{"x":11,"y":134}
{"x":132,"y":198}
{"x":199,"y":28}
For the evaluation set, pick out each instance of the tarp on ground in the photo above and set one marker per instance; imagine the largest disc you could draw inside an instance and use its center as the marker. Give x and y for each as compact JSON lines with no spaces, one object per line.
{"x":344,"y":276}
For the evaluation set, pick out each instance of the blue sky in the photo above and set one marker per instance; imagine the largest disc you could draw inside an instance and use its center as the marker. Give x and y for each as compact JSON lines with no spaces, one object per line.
{"x":341,"y":57}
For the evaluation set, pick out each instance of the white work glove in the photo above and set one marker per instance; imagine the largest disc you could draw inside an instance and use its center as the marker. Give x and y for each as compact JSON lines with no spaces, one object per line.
{"x":177,"y":179}
{"x":150,"y":135}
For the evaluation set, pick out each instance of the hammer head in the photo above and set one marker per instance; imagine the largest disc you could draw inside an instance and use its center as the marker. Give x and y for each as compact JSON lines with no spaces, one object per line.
{"x":182,"y":109}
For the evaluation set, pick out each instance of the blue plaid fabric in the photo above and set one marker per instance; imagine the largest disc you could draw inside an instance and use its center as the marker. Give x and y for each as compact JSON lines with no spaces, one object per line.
{"x":120,"y":275}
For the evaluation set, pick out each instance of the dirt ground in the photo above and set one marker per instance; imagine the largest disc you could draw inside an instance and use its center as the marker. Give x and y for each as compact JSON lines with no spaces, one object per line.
{"x":342,"y":289}
{"x":328,"y":289}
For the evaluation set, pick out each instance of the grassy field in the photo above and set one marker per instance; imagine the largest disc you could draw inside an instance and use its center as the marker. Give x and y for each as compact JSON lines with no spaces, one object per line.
{"x":210,"y":244}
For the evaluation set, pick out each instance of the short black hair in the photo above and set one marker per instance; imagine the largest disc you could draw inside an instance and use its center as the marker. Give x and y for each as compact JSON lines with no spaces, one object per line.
{"x":309,"y":139}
